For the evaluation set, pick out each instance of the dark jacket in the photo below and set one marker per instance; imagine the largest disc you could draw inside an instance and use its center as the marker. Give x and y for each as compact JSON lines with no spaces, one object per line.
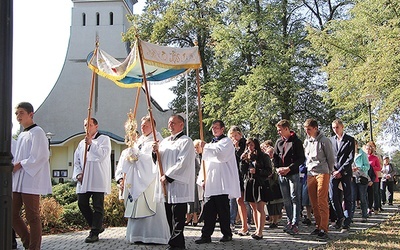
{"x":262,"y":165}
{"x":256,"y":186}
{"x":344,"y":154}
{"x":238,"y":153}
{"x":292,"y":156}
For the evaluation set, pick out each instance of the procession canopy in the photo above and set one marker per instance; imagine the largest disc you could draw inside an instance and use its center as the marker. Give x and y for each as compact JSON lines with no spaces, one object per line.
{"x":160,"y":62}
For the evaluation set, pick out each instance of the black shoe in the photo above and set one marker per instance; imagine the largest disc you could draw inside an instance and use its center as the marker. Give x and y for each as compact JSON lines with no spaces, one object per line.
{"x":339,"y":223}
{"x":307,"y":222}
{"x":315,"y":232}
{"x":225,"y":239}
{"x":273,"y":225}
{"x":175,"y":248}
{"x":92,"y":238}
{"x":322,"y":236}
{"x":187,"y":223}
{"x":101,"y":230}
{"x":203,"y":240}
{"x":345,"y":229}
{"x":256,"y":237}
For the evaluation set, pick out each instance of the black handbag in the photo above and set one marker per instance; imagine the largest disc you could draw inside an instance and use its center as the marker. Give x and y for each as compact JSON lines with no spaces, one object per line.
{"x":249,"y":189}
{"x":363,"y":180}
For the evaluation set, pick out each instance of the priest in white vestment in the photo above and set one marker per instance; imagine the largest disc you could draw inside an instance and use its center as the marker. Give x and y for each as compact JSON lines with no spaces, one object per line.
{"x":221,"y":183}
{"x":147,"y":221}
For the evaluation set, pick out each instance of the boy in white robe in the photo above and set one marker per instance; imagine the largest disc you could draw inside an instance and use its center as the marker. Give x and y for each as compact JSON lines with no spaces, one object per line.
{"x":93,"y":180}
{"x":221,"y":182}
{"x":31,"y":177}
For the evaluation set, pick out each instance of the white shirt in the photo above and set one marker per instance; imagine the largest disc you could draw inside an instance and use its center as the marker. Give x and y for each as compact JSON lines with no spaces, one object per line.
{"x":221,"y":169}
{"x":32,"y":151}
{"x":178,"y":159}
{"x":97,"y":176}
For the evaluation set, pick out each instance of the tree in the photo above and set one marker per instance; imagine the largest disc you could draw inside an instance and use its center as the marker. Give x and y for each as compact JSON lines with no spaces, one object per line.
{"x":257,"y":68}
{"x":362,"y":55}
{"x":183,"y":24}
{"x":265,"y":71}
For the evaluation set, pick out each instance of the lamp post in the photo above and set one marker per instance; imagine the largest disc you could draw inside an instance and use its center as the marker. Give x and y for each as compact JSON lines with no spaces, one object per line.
{"x":49,"y":135}
{"x":369,"y":99}
{"x":6,"y":166}
{"x":299,"y":129}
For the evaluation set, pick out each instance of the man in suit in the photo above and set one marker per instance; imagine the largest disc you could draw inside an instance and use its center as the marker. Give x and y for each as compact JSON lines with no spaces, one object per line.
{"x":343,"y":149}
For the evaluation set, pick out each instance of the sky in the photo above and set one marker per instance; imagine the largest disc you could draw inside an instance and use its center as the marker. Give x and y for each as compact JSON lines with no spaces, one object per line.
{"x":41,"y":34}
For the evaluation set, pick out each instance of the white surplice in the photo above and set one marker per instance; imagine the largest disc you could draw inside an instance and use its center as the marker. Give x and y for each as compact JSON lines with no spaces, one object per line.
{"x":97,"y":176}
{"x":177,"y":158}
{"x":32,"y":151}
{"x":221,"y":169}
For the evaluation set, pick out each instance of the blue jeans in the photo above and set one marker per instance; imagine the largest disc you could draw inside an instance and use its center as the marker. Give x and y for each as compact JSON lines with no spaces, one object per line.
{"x":361,"y":190}
{"x":291,"y":188}
{"x":233,"y":210}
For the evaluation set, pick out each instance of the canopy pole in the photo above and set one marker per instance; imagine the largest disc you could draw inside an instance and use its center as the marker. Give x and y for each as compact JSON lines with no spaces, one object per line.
{"x":89,"y":116}
{"x":150,"y":113}
{"x":200,"y":119}
{"x":137,"y":101}
{"x":187,"y":104}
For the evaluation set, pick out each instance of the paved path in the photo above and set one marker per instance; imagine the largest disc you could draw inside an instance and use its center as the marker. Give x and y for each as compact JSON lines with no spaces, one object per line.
{"x":113,"y":238}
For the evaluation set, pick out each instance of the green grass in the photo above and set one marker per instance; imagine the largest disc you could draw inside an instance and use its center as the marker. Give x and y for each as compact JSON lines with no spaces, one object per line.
{"x":383,"y":236}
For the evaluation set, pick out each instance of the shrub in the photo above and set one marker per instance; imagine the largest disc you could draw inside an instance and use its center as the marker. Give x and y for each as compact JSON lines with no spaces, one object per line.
{"x":114,"y":209}
{"x":50,"y":213}
{"x":65,"y":193}
{"x":61,"y":212}
{"x":72,"y":216}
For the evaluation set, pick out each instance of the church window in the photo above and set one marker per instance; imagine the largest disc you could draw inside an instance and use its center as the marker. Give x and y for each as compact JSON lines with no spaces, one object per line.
{"x":97,"y":18}
{"x":111,"y":18}
{"x":83,"y":19}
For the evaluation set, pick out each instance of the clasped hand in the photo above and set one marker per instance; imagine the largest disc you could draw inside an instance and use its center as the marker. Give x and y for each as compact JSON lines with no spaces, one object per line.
{"x":337,"y":175}
{"x":88,"y":140}
{"x":283,"y":171}
{"x":155,"y":146}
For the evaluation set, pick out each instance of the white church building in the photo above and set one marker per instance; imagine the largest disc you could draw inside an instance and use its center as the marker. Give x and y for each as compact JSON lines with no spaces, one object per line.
{"x":62,"y":113}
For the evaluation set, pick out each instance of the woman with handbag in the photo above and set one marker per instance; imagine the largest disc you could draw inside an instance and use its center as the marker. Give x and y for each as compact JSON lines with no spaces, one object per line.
{"x":361,"y":180}
{"x":256,"y":167}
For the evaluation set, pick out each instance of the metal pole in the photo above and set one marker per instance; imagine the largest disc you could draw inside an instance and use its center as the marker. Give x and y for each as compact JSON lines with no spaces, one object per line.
{"x":187,"y":104}
{"x":6,"y":167}
{"x":371,"y":137}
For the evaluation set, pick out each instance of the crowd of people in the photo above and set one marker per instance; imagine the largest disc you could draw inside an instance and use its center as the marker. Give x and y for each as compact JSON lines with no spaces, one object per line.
{"x":174,"y":182}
